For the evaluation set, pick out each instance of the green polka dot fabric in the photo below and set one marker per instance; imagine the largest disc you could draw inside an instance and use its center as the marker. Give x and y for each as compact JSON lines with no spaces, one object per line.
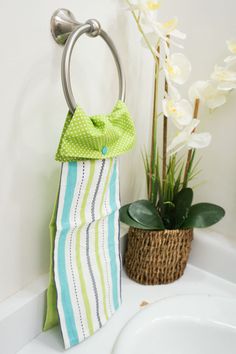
{"x":96,"y":137}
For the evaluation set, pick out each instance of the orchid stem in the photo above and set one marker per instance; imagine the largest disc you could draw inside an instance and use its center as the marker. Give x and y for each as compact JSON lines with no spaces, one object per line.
{"x":165,"y":130}
{"x":153,"y":157}
{"x":190,"y":152}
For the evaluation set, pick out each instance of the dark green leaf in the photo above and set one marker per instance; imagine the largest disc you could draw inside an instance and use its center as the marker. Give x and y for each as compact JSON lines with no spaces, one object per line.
{"x":183,"y":202}
{"x":126,"y":219}
{"x":203,"y":215}
{"x":145,"y":213}
{"x":168,"y":216}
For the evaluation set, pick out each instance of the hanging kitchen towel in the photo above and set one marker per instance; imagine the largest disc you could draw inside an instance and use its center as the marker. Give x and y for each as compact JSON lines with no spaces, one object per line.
{"x":84,"y":289}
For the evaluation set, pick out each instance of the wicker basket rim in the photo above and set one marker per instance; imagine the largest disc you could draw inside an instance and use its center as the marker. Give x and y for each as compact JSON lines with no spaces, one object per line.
{"x":162,"y":231}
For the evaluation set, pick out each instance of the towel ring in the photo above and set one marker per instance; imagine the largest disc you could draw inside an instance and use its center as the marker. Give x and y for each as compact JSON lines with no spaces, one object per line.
{"x":66,"y":30}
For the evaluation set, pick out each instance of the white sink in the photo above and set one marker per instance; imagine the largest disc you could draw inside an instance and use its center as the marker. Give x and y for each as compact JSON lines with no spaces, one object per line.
{"x":186,"y":324}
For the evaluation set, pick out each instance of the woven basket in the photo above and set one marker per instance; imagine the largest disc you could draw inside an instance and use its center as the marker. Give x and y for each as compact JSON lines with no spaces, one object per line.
{"x":157,"y":257}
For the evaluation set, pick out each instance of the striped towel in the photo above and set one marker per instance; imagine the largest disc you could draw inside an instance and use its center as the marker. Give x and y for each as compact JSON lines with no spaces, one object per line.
{"x":86,"y":248}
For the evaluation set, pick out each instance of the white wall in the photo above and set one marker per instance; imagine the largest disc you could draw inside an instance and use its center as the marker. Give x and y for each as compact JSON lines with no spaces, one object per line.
{"x":33,"y":111}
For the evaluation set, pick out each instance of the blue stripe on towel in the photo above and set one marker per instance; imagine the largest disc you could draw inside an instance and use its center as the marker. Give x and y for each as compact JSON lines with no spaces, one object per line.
{"x":111,"y":235}
{"x":65,"y":222}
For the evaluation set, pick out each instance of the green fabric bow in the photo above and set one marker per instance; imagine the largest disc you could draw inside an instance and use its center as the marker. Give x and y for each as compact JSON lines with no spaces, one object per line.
{"x":96,"y":137}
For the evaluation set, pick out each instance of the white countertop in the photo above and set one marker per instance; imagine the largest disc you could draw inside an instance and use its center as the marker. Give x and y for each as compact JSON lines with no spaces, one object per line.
{"x":194,"y":281}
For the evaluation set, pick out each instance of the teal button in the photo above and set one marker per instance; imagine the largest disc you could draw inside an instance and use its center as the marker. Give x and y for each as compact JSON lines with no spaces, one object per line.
{"x":104,"y":150}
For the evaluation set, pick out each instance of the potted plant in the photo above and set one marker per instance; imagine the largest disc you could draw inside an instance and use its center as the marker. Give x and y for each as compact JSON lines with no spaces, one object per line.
{"x":161,"y":226}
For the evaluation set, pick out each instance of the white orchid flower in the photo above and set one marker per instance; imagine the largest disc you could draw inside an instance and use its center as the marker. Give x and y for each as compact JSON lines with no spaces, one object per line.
{"x":180,"y":112}
{"x":154,"y":40}
{"x":208,"y":93}
{"x":164,"y":29}
{"x":177,"y":68}
{"x":173,"y":93}
{"x":168,"y":28}
{"x":187,"y":138}
{"x":145,"y":6}
{"x":225,"y":78}
{"x":231,"y":44}
{"x":153,"y":5}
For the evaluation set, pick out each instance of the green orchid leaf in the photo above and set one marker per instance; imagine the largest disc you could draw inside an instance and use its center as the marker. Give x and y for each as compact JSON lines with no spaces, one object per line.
{"x":183,"y":202}
{"x":203,"y":215}
{"x":168,"y":215}
{"x":126,"y":219}
{"x":145,"y":213}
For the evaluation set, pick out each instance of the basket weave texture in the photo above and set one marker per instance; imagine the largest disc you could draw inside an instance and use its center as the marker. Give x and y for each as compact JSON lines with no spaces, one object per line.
{"x":157,"y":257}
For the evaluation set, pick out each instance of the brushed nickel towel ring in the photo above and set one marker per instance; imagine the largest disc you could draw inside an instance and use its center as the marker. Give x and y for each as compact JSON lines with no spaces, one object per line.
{"x":66,"y":30}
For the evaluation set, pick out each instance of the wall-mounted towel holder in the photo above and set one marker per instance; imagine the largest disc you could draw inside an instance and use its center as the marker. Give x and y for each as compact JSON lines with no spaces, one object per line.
{"x":65,"y":31}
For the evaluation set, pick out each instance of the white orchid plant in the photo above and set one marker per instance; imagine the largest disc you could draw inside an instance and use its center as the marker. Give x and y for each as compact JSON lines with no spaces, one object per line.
{"x":169,"y":202}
